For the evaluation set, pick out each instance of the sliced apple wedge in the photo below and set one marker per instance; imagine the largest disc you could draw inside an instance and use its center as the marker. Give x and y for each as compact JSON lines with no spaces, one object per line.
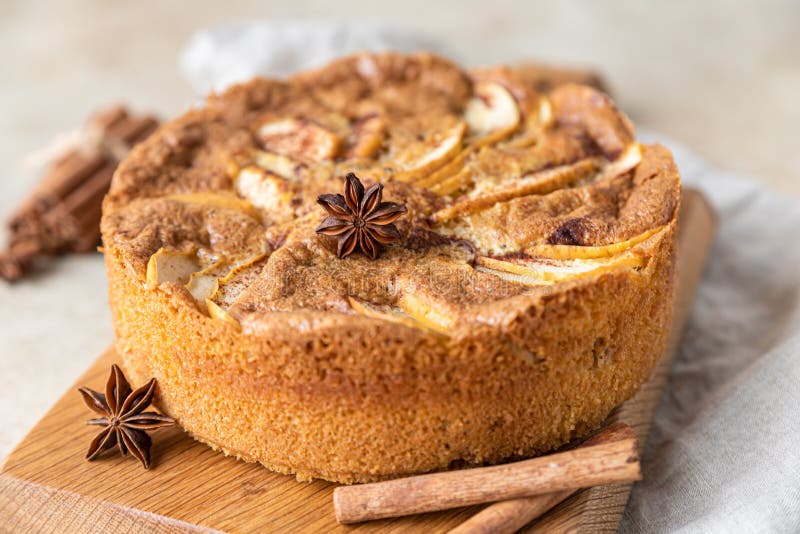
{"x":492,"y":114}
{"x":448,"y":170}
{"x":217,"y":312}
{"x":226,"y":289}
{"x":301,"y":139}
{"x":218,"y":200}
{"x":171,"y":266}
{"x":204,"y":283}
{"x":628,"y":160}
{"x":425,"y":157}
{"x":237,"y":279}
{"x":369,"y":134}
{"x":425,"y":312}
{"x":266,"y":190}
{"x":514,"y":277}
{"x":490,"y":120}
{"x":387,"y":313}
{"x":277,"y":164}
{"x":571,"y":252}
{"x":539,"y":183}
{"x":462,"y":180}
{"x":534,"y":125}
{"x":545,"y":272}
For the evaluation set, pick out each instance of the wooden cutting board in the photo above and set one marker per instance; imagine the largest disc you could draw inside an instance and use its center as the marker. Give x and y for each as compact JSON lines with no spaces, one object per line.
{"x":45,"y":484}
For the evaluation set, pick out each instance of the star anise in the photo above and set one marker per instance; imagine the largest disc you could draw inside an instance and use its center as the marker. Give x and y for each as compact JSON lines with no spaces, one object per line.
{"x":359,"y":219}
{"x":124,"y":419}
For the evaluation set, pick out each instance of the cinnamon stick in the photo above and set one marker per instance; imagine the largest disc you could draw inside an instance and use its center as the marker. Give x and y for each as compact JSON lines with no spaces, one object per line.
{"x":62,"y":213}
{"x":594,"y":465}
{"x":510,"y":516}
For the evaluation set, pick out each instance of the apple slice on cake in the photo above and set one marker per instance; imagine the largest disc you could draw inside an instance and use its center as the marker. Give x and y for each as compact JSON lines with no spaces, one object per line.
{"x":301,"y":139}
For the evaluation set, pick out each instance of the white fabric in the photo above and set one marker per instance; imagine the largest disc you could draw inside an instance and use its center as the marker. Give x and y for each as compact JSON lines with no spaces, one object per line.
{"x":238,"y":51}
{"x":724,"y":452}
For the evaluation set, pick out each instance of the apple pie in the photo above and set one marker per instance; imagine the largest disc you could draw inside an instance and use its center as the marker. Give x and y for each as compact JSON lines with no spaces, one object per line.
{"x":499,"y":283}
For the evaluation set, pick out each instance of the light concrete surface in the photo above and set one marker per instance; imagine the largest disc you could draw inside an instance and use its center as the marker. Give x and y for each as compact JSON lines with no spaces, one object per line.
{"x":723,"y":77}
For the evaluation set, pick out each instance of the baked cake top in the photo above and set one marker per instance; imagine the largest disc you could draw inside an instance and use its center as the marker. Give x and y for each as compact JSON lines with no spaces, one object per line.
{"x":509,"y":193}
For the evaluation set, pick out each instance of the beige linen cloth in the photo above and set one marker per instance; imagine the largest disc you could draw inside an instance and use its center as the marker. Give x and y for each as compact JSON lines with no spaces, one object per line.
{"x":724,"y":452}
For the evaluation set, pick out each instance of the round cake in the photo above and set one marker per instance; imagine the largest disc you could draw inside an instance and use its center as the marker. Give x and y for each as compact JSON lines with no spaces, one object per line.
{"x":499,"y":283}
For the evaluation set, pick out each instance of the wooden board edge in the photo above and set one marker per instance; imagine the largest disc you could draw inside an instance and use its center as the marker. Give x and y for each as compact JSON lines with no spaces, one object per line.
{"x":23,"y":505}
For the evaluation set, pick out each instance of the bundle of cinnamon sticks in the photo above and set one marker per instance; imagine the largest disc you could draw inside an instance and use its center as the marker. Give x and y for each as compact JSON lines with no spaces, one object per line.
{"x":520,"y":491}
{"x":62,"y":213}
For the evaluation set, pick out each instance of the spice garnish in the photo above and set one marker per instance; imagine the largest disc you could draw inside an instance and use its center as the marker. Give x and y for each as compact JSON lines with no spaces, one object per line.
{"x":359,"y":219}
{"x":124,"y":419}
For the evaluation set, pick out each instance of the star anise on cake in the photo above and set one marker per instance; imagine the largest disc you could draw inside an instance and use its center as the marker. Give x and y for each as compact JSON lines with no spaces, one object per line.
{"x":124,"y":420}
{"x":359,"y":219}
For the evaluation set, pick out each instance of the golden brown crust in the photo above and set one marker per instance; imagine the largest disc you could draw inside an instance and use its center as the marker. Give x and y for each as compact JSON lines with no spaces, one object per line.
{"x":544,"y":77}
{"x":530,"y":293}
